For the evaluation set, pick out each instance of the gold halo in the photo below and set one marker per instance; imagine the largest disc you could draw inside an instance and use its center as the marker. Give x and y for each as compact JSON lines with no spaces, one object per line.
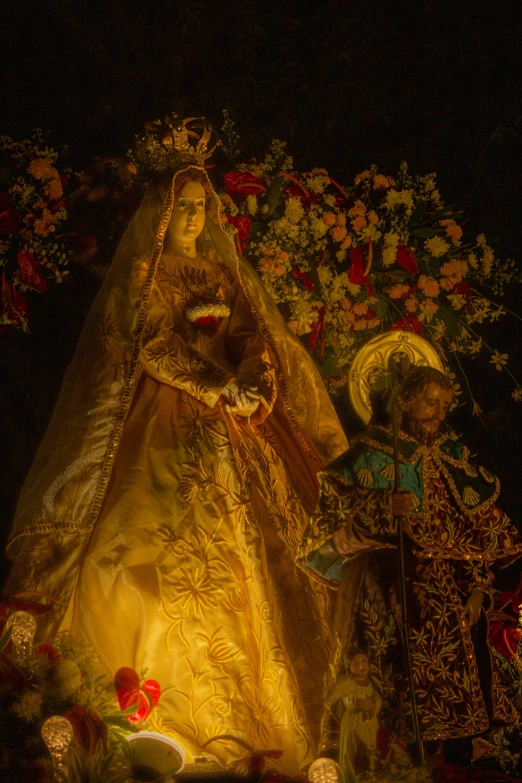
{"x":373,"y":357}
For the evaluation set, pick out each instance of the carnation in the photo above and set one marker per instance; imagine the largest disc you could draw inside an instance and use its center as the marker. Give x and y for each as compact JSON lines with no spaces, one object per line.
{"x":398,"y":291}
{"x":380,"y":182}
{"x":358,"y":223}
{"x":362,"y":176}
{"x":357,"y":209}
{"x":338,"y":233}
{"x":436,"y":246}
{"x":411,"y":304}
{"x":373,"y":217}
{"x":294,"y":210}
{"x":360,"y":308}
{"x":329,"y":218}
{"x":41,"y":168}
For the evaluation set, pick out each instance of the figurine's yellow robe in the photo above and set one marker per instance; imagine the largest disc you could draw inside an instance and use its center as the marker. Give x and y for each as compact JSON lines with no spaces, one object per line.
{"x":187,"y":575}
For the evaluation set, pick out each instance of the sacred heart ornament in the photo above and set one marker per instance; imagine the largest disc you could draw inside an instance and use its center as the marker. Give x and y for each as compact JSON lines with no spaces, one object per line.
{"x":130,"y":693}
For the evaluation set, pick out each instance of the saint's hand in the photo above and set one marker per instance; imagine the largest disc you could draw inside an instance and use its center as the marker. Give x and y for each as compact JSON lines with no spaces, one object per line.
{"x":473,"y":606}
{"x":242,"y":400}
{"x":403,"y":503}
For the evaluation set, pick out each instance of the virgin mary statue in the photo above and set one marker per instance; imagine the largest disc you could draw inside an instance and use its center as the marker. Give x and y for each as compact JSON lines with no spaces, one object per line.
{"x":169,"y":494}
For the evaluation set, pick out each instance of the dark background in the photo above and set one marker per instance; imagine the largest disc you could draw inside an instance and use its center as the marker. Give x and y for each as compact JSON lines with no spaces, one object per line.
{"x":344,"y":83}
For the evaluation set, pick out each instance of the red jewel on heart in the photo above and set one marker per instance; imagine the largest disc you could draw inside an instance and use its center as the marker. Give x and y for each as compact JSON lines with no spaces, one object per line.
{"x":129,"y":692}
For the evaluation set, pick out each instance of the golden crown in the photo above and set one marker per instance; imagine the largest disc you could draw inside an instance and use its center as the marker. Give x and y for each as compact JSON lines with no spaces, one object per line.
{"x":177,"y":140}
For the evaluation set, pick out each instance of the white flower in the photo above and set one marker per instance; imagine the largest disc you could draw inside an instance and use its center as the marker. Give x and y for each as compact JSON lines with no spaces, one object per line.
{"x":251,"y":202}
{"x":205,"y":310}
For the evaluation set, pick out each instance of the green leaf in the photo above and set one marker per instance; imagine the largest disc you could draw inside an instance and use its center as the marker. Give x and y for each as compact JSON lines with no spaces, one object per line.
{"x":329,"y":365}
{"x":123,"y":713}
{"x":4,"y":640}
{"x":381,"y":307}
{"x":425,"y":233}
{"x":275,"y":193}
{"x":451,"y":319}
{"x":313,"y":276}
{"x":418,"y":213}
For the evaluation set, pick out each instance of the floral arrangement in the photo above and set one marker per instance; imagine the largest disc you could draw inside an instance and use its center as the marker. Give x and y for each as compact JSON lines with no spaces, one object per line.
{"x":346,"y":263}
{"x":33,"y":209}
{"x":40,"y":682}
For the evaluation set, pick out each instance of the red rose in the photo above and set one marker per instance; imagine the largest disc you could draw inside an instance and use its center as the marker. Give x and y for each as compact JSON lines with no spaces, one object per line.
{"x":46,"y":650}
{"x":129,"y":692}
{"x":29,"y":270}
{"x":504,"y":636}
{"x":409,"y":324}
{"x":406,"y":259}
{"x":241,"y":183}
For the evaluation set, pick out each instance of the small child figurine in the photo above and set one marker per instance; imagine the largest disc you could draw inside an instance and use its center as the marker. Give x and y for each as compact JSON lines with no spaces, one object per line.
{"x":359,"y":725}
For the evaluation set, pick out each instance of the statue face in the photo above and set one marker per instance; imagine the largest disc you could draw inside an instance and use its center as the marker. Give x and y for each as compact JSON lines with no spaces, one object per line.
{"x":188,"y":214}
{"x":360,"y":665}
{"x":429,"y":409}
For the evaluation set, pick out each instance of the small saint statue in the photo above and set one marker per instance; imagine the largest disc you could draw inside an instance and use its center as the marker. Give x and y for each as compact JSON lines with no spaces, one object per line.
{"x":360,"y":697}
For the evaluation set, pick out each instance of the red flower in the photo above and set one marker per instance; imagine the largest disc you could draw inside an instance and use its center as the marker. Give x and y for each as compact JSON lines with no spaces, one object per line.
{"x":9,"y":217}
{"x":356,"y":273}
{"x":307,"y":283}
{"x":242,"y":223}
{"x":14,"y":299}
{"x":46,"y":650}
{"x":407,"y":260}
{"x":515,"y":596}
{"x":29,"y":270}
{"x":313,"y":336}
{"x":409,"y":324}
{"x":129,"y":692}
{"x":504,"y":636}
{"x":462,"y":288}
{"x":295,"y":192}
{"x":88,"y":728}
{"x":241,"y":183}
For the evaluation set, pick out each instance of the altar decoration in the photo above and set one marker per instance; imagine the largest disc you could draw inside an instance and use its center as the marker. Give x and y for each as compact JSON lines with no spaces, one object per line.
{"x":33,"y":209}
{"x":60,"y":718}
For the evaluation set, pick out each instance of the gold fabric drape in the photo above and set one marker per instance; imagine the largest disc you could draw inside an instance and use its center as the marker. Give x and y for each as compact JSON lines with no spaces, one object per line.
{"x":165,"y":528}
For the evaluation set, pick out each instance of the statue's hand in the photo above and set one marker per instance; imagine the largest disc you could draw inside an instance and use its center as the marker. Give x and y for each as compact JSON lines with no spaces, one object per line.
{"x":242,"y":400}
{"x":368,"y":704}
{"x":473,"y":606}
{"x":403,"y":503}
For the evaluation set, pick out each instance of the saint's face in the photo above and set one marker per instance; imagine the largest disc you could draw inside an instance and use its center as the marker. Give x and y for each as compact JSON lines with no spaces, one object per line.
{"x":429,"y":409}
{"x":188,"y":214}
{"x":360,"y":666}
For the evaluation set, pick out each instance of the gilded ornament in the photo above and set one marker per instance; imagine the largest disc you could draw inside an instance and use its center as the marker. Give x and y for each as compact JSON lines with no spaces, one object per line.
{"x":388,"y":472}
{"x":57,"y":733}
{"x":23,"y":629}
{"x":175,"y":141}
{"x":364,"y":477}
{"x":469,"y":470}
{"x":487,"y":475}
{"x":470,"y":497}
{"x":372,"y":362}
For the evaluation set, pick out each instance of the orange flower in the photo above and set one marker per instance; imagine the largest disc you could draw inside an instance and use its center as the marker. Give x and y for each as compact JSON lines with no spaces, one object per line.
{"x":362,"y":176}
{"x":373,"y":217}
{"x":41,"y":168}
{"x":346,"y":304}
{"x":329,"y":218}
{"x":455,"y":270}
{"x":97,"y":193}
{"x":452,"y":229}
{"x":347,"y":241}
{"x":338,"y":233}
{"x":360,"y":308}
{"x":429,"y":286}
{"x":43,"y":228}
{"x":381,"y":181}
{"x":358,"y":223}
{"x":397,"y":291}
{"x":54,"y":189}
{"x":411,"y":304}
{"x":446,"y":284}
{"x":357,"y":209}
{"x":341,"y":219}
{"x":360,"y":325}
{"x":373,"y":322}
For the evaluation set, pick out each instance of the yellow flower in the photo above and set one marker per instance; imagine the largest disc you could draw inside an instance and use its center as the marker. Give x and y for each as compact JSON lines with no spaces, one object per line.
{"x":251,"y":202}
{"x":373,"y":217}
{"x":499,"y":359}
{"x":396,"y":198}
{"x":389,"y":254}
{"x":294,"y":210}
{"x":338,"y":233}
{"x":473,"y":260}
{"x":457,"y":301}
{"x":481,"y":240}
{"x":436,"y":246}
{"x":517,"y":394}
{"x":340,"y":255}
{"x":411,"y":304}
{"x":396,"y":291}
{"x":429,"y":286}
{"x":487,"y":260}
{"x":428,"y":309}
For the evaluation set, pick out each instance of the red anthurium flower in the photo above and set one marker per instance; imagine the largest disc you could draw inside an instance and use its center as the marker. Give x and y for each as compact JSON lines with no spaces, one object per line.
{"x":409,"y":324}
{"x":313,"y":336}
{"x":129,"y":692}
{"x":407,"y":260}
{"x":356,"y":273}
{"x":242,"y":223}
{"x":29,"y":270}
{"x":46,"y":650}
{"x":295,"y":192}
{"x":88,"y":727}
{"x":462,"y":288}
{"x":504,"y":636}
{"x":9,"y":217}
{"x":241,"y":183}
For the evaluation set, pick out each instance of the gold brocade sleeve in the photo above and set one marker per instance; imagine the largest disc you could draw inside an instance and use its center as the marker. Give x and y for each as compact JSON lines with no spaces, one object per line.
{"x":246,"y":345}
{"x":166,"y":357}
{"x":364,"y":514}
